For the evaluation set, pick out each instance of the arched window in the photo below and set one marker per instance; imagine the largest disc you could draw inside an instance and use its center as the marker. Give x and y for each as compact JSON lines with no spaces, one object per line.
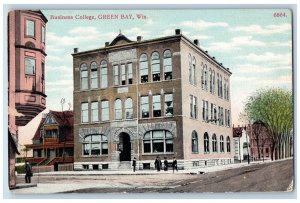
{"x":95,"y":145}
{"x":218,"y":83}
{"x":155,"y":66}
{"x":118,"y":109}
{"x":94,"y":75}
{"x":210,"y":81}
{"x":158,"y":141}
{"x":103,"y":67}
{"x":221,"y":87}
{"x":214,"y":143}
{"x":144,"y":68}
{"x":128,"y":108}
{"x":206,"y":142}
{"x":221,"y":143}
{"x":168,"y":69}
{"x":84,"y":76}
{"x":213,"y":82}
{"x":228,"y":143}
{"x":194,"y":142}
{"x":190,"y":69}
{"x":205,"y":77}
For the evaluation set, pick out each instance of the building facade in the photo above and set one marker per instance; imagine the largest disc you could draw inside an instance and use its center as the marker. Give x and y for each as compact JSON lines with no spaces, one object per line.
{"x":162,"y":97}
{"x":53,"y":142}
{"x":241,"y":142}
{"x":26,"y":74}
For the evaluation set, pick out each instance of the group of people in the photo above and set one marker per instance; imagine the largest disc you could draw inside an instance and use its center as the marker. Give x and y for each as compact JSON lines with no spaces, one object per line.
{"x":158,"y":164}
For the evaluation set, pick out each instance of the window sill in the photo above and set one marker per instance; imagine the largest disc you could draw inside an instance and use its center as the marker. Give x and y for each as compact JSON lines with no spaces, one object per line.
{"x":156,"y":153}
{"x":195,"y":152}
{"x":94,"y":156}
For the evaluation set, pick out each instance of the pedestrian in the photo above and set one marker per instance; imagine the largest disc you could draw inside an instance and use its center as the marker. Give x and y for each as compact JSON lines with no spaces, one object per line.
{"x":28,"y":172}
{"x":166,"y":164}
{"x":157,"y":163}
{"x":134,"y":164}
{"x":174,"y":164}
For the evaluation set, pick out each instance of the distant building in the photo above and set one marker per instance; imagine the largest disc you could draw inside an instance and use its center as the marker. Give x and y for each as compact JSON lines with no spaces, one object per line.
{"x":26,"y":75}
{"x":241,"y":143}
{"x":53,"y":142}
{"x":160,"y":97}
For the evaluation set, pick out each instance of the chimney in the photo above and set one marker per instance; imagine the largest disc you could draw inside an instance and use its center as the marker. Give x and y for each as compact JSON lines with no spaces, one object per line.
{"x":75,"y":50}
{"x":206,"y":52}
{"x":196,"y":41}
{"x":213,"y":58}
{"x":106,"y":44}
{"x":177,"y":32}
{"x":221,"y":64}
{"x":139,"y":38}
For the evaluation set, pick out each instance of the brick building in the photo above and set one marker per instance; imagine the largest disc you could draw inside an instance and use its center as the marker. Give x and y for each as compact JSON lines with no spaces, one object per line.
{"x":161,"y":97}
{"x":26,"y":75}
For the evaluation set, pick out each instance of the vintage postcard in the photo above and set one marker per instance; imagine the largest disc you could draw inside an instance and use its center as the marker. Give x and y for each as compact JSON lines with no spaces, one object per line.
{"x":150,"y":101}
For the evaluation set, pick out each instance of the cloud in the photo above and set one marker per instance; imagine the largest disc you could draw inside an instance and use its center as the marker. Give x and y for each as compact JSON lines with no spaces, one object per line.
{"x":254,"y":68}
{"x":269,"y":57}
{"x":282,"y":44}
{"x":200,"y":37}
{"x":202,"y":25}
{"x":276,"y":82}
{"x":284,"y":28}
{"x":65,"y":70}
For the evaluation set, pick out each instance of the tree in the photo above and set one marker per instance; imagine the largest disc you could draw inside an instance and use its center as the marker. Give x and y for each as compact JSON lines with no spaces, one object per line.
{"x":274,"y":108}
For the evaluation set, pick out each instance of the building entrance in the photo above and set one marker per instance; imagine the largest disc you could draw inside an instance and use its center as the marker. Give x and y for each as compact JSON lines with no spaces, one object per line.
{"x":125,"y":147}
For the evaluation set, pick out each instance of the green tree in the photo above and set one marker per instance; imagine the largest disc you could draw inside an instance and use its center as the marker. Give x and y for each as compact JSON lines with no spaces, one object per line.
{"x":274,"y":108}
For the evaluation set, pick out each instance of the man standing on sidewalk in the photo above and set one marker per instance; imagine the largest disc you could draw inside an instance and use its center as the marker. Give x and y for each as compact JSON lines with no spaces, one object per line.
{"x":134,"y":164}
{"x":174,"y":164}
{"x":28,"y":172}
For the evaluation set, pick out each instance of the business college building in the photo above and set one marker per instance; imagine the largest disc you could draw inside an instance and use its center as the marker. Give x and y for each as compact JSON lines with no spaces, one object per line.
{"x":161,"y":97}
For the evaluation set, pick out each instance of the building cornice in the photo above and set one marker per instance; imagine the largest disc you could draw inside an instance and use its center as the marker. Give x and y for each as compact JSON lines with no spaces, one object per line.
{"x":30,"y":48}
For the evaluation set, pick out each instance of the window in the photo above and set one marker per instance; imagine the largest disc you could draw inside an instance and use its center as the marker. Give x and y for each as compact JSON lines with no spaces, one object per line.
{"x":211,"y":112}
{"x":213,"y":82}
{"x":210,"y":81}
{"x":169,"y":105}
{"x":116,"y":75}
{"x":205,"y":77}
{"x":228,"y":118}
{"x":158,"y":141}
{"x":168,"y":65}
{"x":43,"y":34}
{"x":225,"y":89}
{"x":95,"y":114}
{"x":84,"y":76}
{"x":215,"y":114}
{"x":203,"y":110}
{"x":105,"y":110}
{"x":222,"y":116}
{"x":118,"y":109}
{"x":156,"y":106}
{"x":30,"y":66}
{"x":193,"y":107}
{"x":30,"y":28}
{"x":94,"y":75}
{"x":206,"y":143}
{"x":221,"y":89}
{"x":194,"y":82}
{"x":214,"y":143}
{"x":123,"y":74}
{"x":84,"y":112}
{"x":206,"y":110}
{"x":155,"y":66}
{"x":43,"y":77}
{"x":190,"y":69}
{"x":218,"y":83}
{"x":194,"y":142}
{"x":228,"y":91}
{"x":221,"y":143}
{"x":228,"y":143}
{"x":95,"y":145}
{"x":145,"y":106}
{"x":129,"y":73}
{"x":51,"y":133}
{"x":144,"y":68}
{"x":104,"y":81}
{"x":128,"y":108}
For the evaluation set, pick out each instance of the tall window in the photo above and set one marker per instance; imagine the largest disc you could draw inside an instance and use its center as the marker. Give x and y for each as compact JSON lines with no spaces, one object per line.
{"x":228,"y":91}
{"x":222,"y":116}
{"x":158,"y":141}
{"x":156,"y":106}
{"x":225,"y":90}
{"x":30,"y":28}
{"x":155,"y":66}
{"x":218,"y":83}
{"x":206,"y":110}
{"x":228,"y":143}
{"x":104,"y":110}
{"x":228,"y":118}
{"x":128,"y":108}
{"x":29,"y":66}
{"x":129,"y":73}
{"x":145,"y":106}
{"x":205,"y":77}
{"x":213,"y":82}
{"x":168,"y":65}
{"x":215,"y":114}
{"x":94,"y":111}
{"x":221,"y":143}
{"x":210,"y":81}
{"x":194,"y":82}
{"x":43,"y":77}
{"x":43,"y":34}
{"x":193,"y":107}
{"x":168,"y":104}
{"x":116,"y":75}
{"x":84,"y":112}
{"x":95,"y":145}
{"x":84,"y":76}
{"x":94,"y":75}
{"x":104,"y":81}
{"x":144,"y":68}
{"x":190,"y":68}
{"x":123,"y":74}
{"x":194,"y":142}
{"x":118,"y":109}
{"x":206,"y":142}
{"x":214,"y":143}
{"x":221,"y":87}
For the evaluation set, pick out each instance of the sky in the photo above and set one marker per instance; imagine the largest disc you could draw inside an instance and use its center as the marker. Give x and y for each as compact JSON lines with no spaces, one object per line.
{"x":255,"y":44}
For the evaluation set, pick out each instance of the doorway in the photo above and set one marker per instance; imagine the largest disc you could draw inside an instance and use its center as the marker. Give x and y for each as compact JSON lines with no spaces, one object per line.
{"x":124,"y":147}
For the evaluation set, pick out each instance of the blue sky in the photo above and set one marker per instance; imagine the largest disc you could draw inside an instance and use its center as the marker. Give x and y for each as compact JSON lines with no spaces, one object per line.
{"x":255,"y":45}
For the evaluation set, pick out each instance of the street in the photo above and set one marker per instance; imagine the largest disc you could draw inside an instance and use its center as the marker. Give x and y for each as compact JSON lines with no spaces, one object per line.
{"x":266,"y":177}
